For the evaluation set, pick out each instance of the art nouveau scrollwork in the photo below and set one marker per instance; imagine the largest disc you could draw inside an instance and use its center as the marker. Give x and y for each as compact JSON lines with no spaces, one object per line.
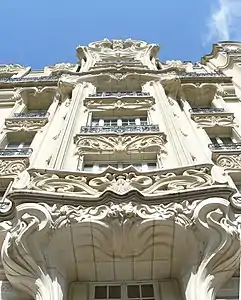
{"x":229,"y":161}
{"x":12,"y":167}
{"x":120,"y":104}
{"x":36,"y":224}
{"x":211,"y":120}
{"x":9,"y":70}
{"x":120,"y":143}
{"x":55,"y":69}
{"x":220,"y":258}
{"x":119,"y":182}
{"x":27,"y":124}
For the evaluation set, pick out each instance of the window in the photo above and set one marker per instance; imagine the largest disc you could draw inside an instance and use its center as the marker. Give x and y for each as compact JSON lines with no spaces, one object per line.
{"x":124,"y":121}
{"x":14,"y":144}
{"x":128,"y":291}
{"x":99,"y":167}
{"x":221,"y":140}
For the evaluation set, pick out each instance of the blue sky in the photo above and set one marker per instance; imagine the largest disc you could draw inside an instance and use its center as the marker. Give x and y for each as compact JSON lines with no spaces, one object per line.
{"x":39,"y":33}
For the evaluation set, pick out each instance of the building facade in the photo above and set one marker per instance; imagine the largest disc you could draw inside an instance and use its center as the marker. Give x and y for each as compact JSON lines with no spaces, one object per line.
{"x":120,"y":176}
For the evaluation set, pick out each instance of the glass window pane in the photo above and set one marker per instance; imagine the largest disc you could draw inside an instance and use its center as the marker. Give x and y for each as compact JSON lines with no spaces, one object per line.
{"x":114,"y":292}
{"x":226,"y":140}
{"x":88,"y":168}
{"x":100,"y":292}
{"x":133,"y":291}
{"x":13,"y":145}
{"x":147,"y":291}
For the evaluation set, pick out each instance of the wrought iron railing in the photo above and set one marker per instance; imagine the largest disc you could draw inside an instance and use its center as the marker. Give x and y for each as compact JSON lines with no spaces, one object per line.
{"x":212,"y":110}
{"x":16,"y":152}
{"x":120,"y":94}
{"x":225,"y":147}
{"x":40,"y":114}
{"x":119,"y":129}
{"x":196,"y":75}
{"x":30,"y":79}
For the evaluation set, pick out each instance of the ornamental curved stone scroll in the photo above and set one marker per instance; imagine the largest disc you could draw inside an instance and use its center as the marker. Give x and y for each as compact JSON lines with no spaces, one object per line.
{"x":229,"y":161}
{"x":26,"y":124}
{"x":11,"y":167}
{"x":120,"y":143}
{"x":214,"y":120}
{"x":120,"y":104}
{"x":34,"y":226}
{"x":120,"y":182}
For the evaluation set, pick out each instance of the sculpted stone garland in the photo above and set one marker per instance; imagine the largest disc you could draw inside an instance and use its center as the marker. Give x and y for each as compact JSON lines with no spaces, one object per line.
{"x":214,"y":120}
{"x":9,"y":167}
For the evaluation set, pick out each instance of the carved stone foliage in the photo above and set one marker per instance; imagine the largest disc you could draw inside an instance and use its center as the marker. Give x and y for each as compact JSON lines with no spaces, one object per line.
{"x":120,"y":143}
{"x":211,"y":219}
{"x":211,"y":120}
{"x":154,"y":183}
{"x":117,"y":44}
{"x":25,"y":124}
{"x":53,"y":70}
{"x":9,"y":70}
{"x":111,"y":104}
{"x":229,"y":161}
{"x":11,"y":167}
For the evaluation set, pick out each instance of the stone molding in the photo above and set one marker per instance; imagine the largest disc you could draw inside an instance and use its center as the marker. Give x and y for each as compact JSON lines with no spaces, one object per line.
{"x":12,"y":166}
{"x":28,"y":124}
{"x":211,"y":219}
{"x":9,"y":70}
{"x":120,"y":143}
{"x":52,"y":70}
{"x":120,"y":104}
{"x":212,"y":120}
{"x":229,"y":161}
{"x":93,"y":186}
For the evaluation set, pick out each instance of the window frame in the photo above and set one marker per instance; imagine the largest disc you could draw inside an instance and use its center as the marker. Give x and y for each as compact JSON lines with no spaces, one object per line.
{"x":124,"y":289}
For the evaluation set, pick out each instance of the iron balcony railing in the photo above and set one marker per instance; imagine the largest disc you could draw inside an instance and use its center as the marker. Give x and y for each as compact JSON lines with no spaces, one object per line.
{"x":225,"y":147}
{"x":40,"y":114}
{"x":30,"y":79}
{"x":196,"y":75}
{"x":16,"y":152}
{"x":206,"y":110}
{"x":119,"y":129}
{"x":119,"y":94}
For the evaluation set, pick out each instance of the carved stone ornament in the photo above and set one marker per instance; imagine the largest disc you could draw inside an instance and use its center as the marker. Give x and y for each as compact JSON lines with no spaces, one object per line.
{"x":120,"y":143}
{"x":12,"y":167}
{"x":231,"y":48}
{"x":30,"y":234}
{"x":229,"y":161}
{"x":107,"y":45}
{"x":53,"y":70}
{"x":123,"y":103}
{"x":211,"y":120}
{"x":25,"y":124}
{"x":200,"y":92}
{"x":9,"y":70}
{"x":27,"y":94}
{"x":120,"y":182}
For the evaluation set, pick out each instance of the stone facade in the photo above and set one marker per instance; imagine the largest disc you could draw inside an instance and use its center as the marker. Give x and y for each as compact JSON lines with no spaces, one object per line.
{"x":120,"y":176}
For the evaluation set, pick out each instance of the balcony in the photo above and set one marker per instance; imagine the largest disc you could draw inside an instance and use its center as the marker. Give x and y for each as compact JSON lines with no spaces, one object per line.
{"x":119,"y":129}
{"x":29,"y":81}
{"x":232,"y":147}
{"x":119,"y":94}
{"x":16,"y":152}
{"x":213,"y":110}
{"x":40,"y":114}
{"x":204,"y":77}
{"x":27,"y":121}
{"x":211,"y":117}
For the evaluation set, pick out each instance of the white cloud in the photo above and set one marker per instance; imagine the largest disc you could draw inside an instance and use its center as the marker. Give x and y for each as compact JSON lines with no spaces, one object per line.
{"x":225,"y":21}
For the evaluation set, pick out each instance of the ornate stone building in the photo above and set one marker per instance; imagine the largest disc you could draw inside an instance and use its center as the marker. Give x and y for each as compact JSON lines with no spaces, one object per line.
{"x":120,"y":176}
